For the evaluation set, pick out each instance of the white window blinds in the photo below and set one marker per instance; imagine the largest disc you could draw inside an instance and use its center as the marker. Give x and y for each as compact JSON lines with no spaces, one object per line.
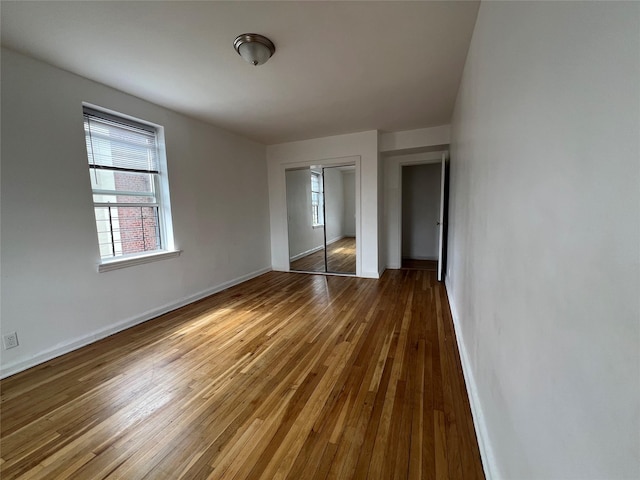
{"x":114,"y":145}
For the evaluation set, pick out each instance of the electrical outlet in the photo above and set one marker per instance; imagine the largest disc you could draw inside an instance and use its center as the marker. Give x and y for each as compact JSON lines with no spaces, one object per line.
{"x":10,"y":340}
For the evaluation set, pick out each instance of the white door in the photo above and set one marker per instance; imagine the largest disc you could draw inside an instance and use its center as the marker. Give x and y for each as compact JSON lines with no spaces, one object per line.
{"x":441,"y":217}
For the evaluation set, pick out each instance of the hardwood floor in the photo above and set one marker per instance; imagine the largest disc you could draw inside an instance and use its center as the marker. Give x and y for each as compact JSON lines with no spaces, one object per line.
{"x":284,"y":376}
{"x":341,"y":258}
{"x":411,"y":264}
{"x":314,"y":262}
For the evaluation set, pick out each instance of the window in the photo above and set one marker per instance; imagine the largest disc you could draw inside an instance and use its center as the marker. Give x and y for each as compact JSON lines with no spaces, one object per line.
{"x":125,"y":165}
{"x":317,"y":200}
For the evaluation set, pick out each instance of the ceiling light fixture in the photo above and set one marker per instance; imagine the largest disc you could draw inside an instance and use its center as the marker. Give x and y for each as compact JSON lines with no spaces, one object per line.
{"x":255,"y":49}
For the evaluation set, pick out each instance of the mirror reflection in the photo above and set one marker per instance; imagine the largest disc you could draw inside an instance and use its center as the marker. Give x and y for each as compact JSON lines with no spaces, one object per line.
{"x":321,"y":219}
{"x":305,"y":217}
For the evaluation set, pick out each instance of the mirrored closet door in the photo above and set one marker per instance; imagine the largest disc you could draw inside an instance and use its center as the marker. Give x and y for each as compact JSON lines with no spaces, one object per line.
{"x":321,"y":219}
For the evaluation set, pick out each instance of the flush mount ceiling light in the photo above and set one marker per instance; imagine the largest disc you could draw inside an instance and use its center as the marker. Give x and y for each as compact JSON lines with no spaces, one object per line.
{"x":254,"y":48}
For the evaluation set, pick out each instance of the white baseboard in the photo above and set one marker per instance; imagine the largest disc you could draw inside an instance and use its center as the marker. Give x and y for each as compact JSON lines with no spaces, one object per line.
{"x":365,"y":274}
{"x":394,"y":266}
{"x":334,"y":240}
{"x":315,"y":249}
{"x":305,"y":253}
{"x":58,"y":350}
{"x":486,"y":452}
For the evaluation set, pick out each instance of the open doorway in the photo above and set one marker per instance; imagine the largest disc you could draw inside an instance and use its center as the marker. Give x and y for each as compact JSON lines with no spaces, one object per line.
{"x":420,"y":216}
{"x":422,"y":208}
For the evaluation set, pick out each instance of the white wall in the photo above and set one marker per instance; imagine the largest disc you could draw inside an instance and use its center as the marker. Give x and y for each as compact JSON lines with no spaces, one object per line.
{"x":349,"y":220}
{"x":303,"y":238}
{"x":415,"y":139}
{"x":52,"y":294}
{"x":359,"y":148}
{"x":420,"y":211}
{"x":334,"y":204}
{"x":544,"y":267}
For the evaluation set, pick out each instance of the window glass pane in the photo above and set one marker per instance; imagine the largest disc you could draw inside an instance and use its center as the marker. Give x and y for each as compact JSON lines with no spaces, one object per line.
{"x":121,"y":181}
{"x":105,"y":234}
{"x":100,"y":198}
{"x":127,"y":230}
{"x":320,"y":214}
{"x":317,"y":213}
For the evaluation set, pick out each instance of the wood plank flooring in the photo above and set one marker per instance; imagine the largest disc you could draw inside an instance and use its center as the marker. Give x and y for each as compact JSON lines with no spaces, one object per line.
{"x":341,"y":258}
{"x":285,"y":376}
{"x":411,"y":264}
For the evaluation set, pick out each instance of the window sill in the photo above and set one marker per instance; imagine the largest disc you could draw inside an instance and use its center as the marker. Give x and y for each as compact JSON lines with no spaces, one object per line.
{"x":317,"y":226}
{"x":107,"y":266}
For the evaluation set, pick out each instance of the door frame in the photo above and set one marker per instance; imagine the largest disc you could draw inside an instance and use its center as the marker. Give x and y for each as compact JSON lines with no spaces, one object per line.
{"x":442,"y":216}
{"x":394,"y":204}
{"x":328,"y":162}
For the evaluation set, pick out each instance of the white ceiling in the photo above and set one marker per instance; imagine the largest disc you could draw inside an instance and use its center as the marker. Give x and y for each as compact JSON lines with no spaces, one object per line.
{"x":339,"y":67}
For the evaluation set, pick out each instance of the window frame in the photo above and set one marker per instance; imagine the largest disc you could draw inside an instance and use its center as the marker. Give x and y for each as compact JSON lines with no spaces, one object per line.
{"x":160,"y":190}
{"x":320,"y":204}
